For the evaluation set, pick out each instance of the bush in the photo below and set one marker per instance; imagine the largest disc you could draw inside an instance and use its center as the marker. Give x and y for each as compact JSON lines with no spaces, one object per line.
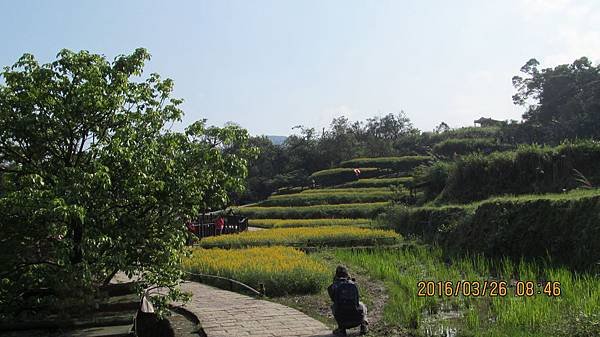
{"x":565,"y":227}
{"x":368,"y":210}
{"x":282,"y":270}
{"x":270,"y":223}
{"x":402,"y":164}
{"x":466,"y":132}
{"x":461,"y":146}
{"x":432,"y":179}
{"x":529,"y":169}
{"x":304,"y":237}
{"x":341,"y":175}
{"x":308,"y":199}
{"x":429,"y":223}
{"x":377,"y":182}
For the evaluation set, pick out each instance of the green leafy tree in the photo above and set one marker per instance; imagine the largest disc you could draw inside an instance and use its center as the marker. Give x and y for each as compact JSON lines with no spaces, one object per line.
{"x":561,"y":102}
{"x":92,"y":181}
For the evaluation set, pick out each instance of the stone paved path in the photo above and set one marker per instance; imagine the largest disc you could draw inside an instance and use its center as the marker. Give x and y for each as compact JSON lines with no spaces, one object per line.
{"x":224,"y":313}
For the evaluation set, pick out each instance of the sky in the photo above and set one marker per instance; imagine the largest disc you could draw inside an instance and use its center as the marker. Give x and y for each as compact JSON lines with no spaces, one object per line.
{"x":271,"y":65}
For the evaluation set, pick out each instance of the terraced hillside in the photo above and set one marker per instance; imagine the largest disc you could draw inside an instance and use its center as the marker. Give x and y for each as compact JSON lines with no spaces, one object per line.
{"x":338,"y":196}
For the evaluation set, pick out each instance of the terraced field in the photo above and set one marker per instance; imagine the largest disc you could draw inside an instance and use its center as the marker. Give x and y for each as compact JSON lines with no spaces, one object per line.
{"x":340,"y":197}
{"x":339,"y":211}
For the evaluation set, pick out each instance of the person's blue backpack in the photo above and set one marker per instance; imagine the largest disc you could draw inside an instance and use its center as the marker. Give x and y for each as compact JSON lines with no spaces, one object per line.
{"x":346,"y":299}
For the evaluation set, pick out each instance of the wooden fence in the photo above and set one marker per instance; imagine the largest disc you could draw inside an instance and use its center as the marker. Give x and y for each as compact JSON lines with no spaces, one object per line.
{"x":205,"y":226}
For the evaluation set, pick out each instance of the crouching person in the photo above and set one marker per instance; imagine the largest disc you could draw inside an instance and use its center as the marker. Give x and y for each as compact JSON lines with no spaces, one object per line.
{"x":348,"y":311}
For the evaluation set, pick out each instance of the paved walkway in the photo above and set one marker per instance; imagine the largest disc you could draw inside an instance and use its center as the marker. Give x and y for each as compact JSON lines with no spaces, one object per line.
{"x":224,"y":313}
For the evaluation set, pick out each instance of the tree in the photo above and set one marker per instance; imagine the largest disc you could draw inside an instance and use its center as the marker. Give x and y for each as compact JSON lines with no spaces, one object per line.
{"x":263,"y":170}
{"x":92,"y":181}
{"x":443,"y":127}
{"x":561,"y":102}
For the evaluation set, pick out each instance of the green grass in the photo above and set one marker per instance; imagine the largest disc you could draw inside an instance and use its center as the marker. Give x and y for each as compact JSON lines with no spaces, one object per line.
{"x":347,"y":190}
{"x":376,"y":182}
{"x":326,"y":198}
{"x":271,"y":223}
{"x":539,"y":315}
{"x":367,"y":210}
{"x":406,"y":163}
{"x":304,"y":237}
{"x":282,"y":270}
{"x":341,"y":175}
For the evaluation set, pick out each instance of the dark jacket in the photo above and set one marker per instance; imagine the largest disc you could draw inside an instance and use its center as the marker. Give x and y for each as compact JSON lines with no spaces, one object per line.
{"x":333,"y":287}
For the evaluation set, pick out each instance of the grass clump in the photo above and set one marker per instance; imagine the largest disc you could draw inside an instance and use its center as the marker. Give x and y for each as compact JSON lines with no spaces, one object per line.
{"x":304,"y":237}
{"x":282,"y":270}
{"x":366,"y":210}
{"x":280,"y":223}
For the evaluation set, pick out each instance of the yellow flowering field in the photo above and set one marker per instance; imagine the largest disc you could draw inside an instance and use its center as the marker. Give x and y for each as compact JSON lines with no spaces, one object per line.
{"x":304,"y":237}
{"x":283,"y":270}
{"x":270,"y":223}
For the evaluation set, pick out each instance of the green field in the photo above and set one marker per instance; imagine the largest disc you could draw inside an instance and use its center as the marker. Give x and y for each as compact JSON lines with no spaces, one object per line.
{"x":326,"y":198}
{"x":282,"y":270}
{"x":573,"y":313}
{"x":402,"y":164}
{"x":336,"y":176}
{"x":347,"y":190}
{"x":376,"y":182}
{"x":367,"y":210}
{"x":271,"y":223}
{"x":304,"y":237}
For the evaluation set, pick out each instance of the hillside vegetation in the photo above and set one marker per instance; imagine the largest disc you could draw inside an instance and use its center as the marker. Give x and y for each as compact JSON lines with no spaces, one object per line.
{"x":529,"y":169}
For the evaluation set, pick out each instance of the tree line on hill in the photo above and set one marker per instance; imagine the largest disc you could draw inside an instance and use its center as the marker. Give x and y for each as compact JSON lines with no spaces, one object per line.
{"x":561,"y":103}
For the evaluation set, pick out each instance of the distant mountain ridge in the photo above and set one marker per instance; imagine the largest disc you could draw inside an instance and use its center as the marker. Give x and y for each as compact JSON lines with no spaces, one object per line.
{"x":277,"y":140}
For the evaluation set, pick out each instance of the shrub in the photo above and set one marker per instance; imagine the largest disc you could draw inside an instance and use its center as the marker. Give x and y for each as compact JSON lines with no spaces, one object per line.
{"x":316,"y":236}
{"x":341,"y":175}
{"x":461,"y":146}
{"x":432,"y":179}
{"x":368,"y":210}
{"x":282,"y":270}
{"x":376,"y":182}
{"x":565,"y":227}
{"x":529,"y":169}
{"x":429,"y":223}
{"x":466,"y":132}
{"x":403,"y":164}
{"x":270,"y":223}
{"x":308,"y":199}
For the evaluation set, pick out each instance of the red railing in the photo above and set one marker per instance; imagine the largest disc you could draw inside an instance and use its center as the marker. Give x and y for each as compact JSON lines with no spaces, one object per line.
{"x":205,"y":226}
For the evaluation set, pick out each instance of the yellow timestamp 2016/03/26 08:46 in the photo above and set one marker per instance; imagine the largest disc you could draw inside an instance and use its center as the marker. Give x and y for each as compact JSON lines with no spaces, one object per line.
{"x":491,"y":288}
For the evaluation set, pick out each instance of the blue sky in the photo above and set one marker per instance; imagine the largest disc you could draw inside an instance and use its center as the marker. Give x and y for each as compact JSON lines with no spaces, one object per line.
{"x":271,"y":65}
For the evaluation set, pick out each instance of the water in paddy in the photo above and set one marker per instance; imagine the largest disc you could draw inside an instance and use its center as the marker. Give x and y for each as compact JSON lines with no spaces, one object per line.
{"x":441,"y":324}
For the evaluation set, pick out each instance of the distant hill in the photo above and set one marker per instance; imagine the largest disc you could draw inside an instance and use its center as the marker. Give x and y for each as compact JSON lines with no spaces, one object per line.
{"x":277,"y":140}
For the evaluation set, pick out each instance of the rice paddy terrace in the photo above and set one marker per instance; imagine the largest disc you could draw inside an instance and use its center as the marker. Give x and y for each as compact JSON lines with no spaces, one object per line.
{"x":414,"y":289}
